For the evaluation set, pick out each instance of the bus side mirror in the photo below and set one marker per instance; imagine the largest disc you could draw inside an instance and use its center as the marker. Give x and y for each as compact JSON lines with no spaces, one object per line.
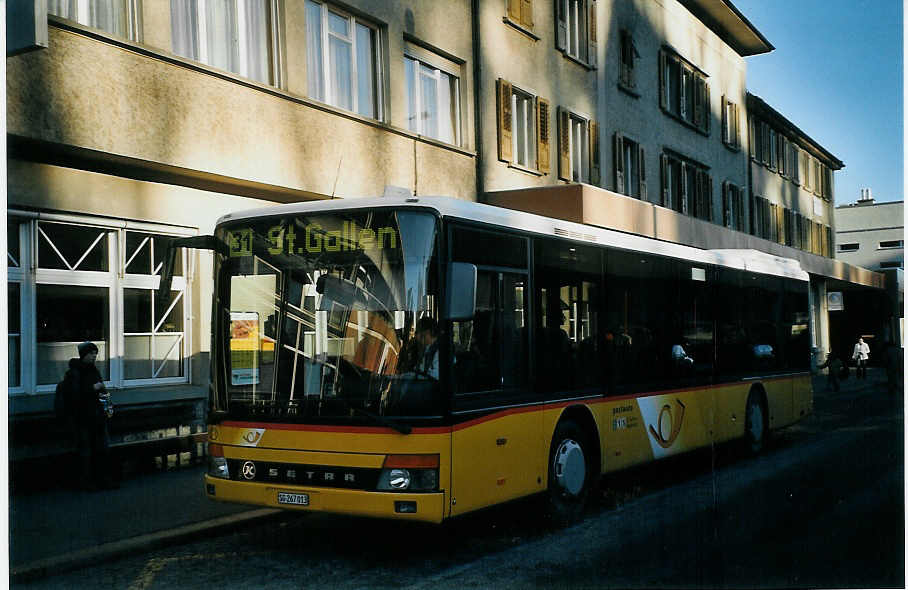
{"x":460,"y":299}
{"x":170,"y":257}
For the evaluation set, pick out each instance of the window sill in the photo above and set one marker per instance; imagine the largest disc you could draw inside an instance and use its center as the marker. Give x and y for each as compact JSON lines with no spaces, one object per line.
{"x":628,"y":90}
{"x":577,"y":60}
{"x":520,"y":28}
{"x":732,"y":148}
{"x":520,"y":168}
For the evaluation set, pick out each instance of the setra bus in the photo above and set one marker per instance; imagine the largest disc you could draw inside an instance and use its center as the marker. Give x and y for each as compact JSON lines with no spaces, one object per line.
{"x":423,"y":358}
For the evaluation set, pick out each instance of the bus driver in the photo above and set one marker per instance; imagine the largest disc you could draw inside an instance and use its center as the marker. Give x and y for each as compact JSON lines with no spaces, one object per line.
{"x":427,"y":338}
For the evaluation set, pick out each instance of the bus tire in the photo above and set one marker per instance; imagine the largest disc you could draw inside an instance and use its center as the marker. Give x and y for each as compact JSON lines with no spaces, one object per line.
{"x":756,"y":425}
{"x":570,"y":474}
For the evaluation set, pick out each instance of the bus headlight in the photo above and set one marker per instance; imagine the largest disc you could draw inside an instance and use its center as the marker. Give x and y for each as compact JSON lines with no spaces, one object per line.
{"x":411,"y":473}
{"x":217,"y":463}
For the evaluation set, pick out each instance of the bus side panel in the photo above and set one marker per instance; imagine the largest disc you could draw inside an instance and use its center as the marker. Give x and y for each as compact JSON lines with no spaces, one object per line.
{"x":731,"y":401}
{"x":497,"y":458}
{"x":802,"y":396}
{"x":778,"y":396}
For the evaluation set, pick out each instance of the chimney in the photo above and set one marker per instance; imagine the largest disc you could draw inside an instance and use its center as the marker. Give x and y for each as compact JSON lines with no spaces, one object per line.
{"x":866,"y":197}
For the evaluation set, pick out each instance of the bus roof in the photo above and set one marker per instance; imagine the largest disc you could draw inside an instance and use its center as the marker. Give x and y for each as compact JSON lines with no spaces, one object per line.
{"x":751,"y":260}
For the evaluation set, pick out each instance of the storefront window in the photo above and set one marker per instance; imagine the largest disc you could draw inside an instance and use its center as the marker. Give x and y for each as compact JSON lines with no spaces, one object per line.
{"x":153,"y":335}
{"x":14,"y":339}
{"x":65,"y":316}
{"x":72,"y":247}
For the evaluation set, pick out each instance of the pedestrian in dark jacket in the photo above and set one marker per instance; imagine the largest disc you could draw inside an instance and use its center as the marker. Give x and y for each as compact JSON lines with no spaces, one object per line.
{"x":84,"y":388}
{"x":835,"y":368}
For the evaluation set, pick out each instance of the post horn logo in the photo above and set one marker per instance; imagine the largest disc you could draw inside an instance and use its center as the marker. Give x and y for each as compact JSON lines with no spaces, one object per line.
{"x":668,"y":426}
{"x":252,"y":436}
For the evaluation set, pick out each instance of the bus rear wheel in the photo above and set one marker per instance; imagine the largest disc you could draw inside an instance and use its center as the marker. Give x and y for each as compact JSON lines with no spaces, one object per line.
{"x":755,"y":429}
{"x":570,"y":474}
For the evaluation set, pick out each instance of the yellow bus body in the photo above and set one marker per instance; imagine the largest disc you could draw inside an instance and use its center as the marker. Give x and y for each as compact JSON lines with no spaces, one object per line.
{"x":500,"y":456}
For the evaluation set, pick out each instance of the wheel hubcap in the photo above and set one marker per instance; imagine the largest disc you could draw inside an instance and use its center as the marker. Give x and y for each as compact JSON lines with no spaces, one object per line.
{"x":570,"y":467}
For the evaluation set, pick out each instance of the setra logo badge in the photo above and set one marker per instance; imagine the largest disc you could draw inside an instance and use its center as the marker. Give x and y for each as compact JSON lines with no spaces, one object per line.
{"x":249,"y":470}
{"x":250,"y":437}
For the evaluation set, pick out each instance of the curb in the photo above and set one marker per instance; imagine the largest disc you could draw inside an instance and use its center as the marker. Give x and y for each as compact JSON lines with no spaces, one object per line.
{"x":116,"y":549}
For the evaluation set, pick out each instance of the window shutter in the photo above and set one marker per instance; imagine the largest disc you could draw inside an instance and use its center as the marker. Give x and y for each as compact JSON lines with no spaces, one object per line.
{"x":595,"y":169}
{"x":514,"y":7}
{"x":684,"y":192}
{"x":739,"y":208}
{"x":751,"y":145}
{"x":725,"y":120}
{"x":706,"y":110}
{"x":663,"y":81}
{"x":526,"y":13}
{"x":543,"y":128}
{"x":666,"y":196}
{"x":642,"y":166}
{"x":709,"y":196}
{"x":619,"y":163}
{"x":592,"y":34}
{"x":764,"y":130}
{"x":780,"y":224}
{"x":564,"y":145}
{"x":726,"y":212}
{"x":685,"y":83}
{"x":737,"y":137}
{"x":561,"y":25}
{"x":505,"y":147}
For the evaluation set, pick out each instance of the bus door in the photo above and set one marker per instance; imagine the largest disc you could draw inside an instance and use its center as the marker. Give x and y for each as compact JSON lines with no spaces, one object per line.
{"x":496,"y":451}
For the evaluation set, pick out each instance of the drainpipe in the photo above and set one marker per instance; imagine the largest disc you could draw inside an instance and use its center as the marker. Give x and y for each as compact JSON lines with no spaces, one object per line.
{"x":477,"y":100}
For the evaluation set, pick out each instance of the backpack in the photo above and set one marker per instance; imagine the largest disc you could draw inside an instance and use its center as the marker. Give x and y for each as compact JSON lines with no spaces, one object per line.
{"x":62,"y":395}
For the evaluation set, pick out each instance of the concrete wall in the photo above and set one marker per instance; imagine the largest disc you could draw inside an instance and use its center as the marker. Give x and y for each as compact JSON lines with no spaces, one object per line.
{"x":867,"y":226}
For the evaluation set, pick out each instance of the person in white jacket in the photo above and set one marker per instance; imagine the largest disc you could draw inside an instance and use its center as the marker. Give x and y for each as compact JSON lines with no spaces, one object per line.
{"x":861,"y":355}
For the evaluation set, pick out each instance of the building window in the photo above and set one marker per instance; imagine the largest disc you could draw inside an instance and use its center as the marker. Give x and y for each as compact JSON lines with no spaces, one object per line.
{"x":630,"y":167}
{"x":117,"y":17}
{"x":524,"y":128}
{"x":684,"y":92}
{"x":520,"y":12}
{"x":576,"y":29}
{"x":627,"y":74}
{"x":578,"y":135}
{"x":891,"y":264}
{"x":97,"y":283}
{"x":686,"y":187}
{"x":849,"y":247}
{"x":733,"y":206}
{"x":731,"y":126}
{"x":231,"y":35}
{"x":887,"y":244}
{"x":342,"y":59}
{"x":433,"y":100}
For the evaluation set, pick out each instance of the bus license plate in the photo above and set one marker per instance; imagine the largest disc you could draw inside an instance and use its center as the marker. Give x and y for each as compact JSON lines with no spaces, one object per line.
{"x":296,"y":499}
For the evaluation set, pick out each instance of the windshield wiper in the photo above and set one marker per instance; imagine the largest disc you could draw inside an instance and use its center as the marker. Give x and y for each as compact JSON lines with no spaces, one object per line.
{"x":401,"y":428}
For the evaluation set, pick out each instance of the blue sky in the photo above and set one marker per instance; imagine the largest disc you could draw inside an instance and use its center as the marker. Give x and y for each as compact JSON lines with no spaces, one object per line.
{"x":836,"y":73}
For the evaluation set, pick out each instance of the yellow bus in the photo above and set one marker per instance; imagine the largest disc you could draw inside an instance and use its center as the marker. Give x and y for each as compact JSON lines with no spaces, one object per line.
{"x":423,"y":358}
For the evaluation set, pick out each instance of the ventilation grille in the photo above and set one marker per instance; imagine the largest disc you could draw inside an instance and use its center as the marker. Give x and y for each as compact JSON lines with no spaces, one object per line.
{"x":574,"y":235}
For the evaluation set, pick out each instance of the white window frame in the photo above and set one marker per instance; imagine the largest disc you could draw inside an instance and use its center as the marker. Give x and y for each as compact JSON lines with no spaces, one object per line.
{"x":418,"y":98}
{"x":901,"y":244}
{"x":577,"y":26}
{"x":523,"y":121}
{"x":630,"y":157}
{"x":133,"y":11}
{"x":30,"y":278}
{"x":325,"y":9}
{"x":579,"y":147}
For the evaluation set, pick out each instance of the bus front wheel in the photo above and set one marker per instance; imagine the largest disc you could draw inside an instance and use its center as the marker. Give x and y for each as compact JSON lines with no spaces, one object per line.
{"x":569,"y":474}
{"x":755,"y":424}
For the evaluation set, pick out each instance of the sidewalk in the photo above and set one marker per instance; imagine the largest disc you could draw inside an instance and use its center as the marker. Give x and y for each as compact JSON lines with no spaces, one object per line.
{"x":62,"y":529}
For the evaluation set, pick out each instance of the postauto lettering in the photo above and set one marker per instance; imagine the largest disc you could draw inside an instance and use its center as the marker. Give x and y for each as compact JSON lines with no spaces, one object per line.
{"x":314,"y":239}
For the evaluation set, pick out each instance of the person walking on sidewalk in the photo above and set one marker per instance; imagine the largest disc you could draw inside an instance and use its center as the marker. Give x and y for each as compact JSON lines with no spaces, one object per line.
{"x":86,"y":400}
{"x":834,"y":368}
{"x":861,"y":355}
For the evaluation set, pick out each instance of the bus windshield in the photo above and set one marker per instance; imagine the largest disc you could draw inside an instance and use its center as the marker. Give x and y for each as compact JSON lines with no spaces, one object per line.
{"x":328,"y":318}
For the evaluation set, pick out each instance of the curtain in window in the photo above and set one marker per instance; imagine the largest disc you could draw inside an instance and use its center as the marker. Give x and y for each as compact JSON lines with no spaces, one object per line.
{"x":220,"y":24}
{"x":429,"y":95}
{"x":184,"y":28}
{"x":340,"y":57}
{"x":257,"y":41}
{"x":412,"y":115}
{"x":365,"y":84}
{"x":64,"y":8}
{"x":107,"y":15}
{"x":315,"y":73}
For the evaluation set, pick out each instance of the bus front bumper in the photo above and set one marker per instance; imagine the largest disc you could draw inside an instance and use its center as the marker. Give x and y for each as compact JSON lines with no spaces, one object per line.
{"x":426,"y":507}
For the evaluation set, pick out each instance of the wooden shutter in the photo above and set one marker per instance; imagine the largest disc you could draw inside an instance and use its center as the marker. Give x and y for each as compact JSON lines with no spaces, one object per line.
{"x":514,"y":10}
{"x":564,"y":145}
{"x":706,"y":110}
{"x":642,"y":175}
{"x":739,"y":208}
{"x":666,"y":196}
{"x":751,"y":144}
{"x":526,"y":13}
{"x":663,"y":80}
{"x":795,"y":164}
{"x":544,"y":133}
{"x":505,"y":121}
{"x":737,"y":135}
{"x":685,"y":88}
{"x":725,"y":136}
{"x":561,"y":24}
{"x":592,"y":34}
{"x":709,"y":196}
{"x":780,"y":224}
{"x":595,"y":169}
{"x":619,"y":163}
{"x":726,"y":209}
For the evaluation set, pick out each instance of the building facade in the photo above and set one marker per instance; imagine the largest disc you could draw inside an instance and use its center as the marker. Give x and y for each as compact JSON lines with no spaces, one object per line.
{"x":871,"y":234}
{"x":146,"y":121}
